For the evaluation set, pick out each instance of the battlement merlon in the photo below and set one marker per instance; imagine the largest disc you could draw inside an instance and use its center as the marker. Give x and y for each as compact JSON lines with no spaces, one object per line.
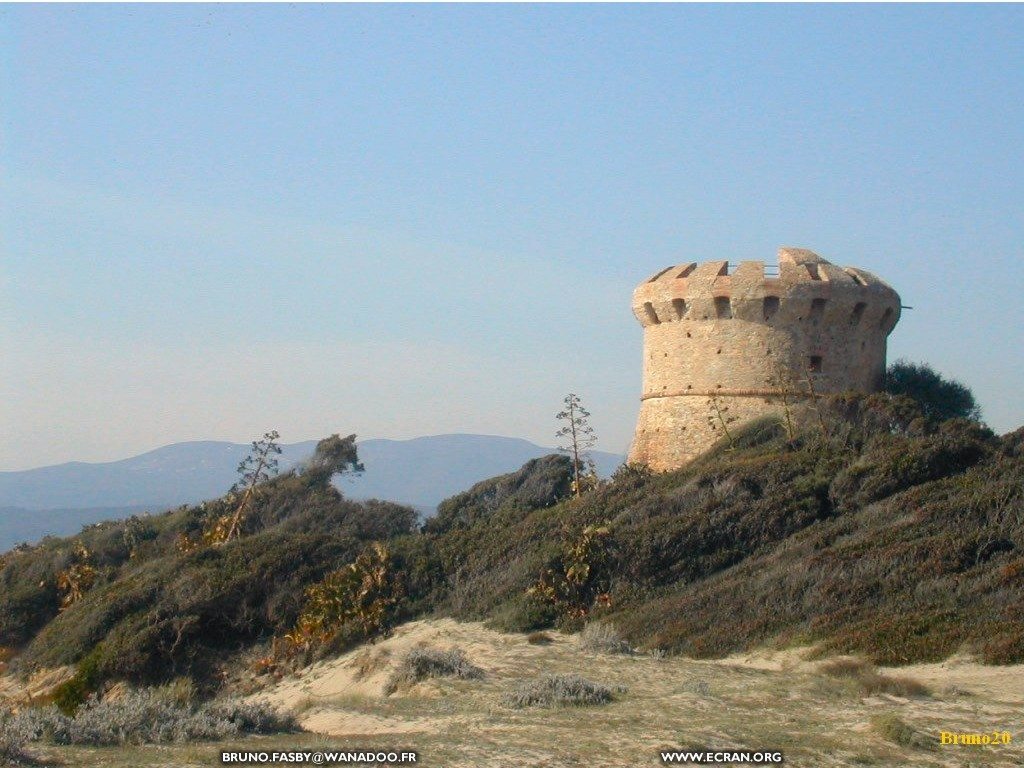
{"x":806,"y":285}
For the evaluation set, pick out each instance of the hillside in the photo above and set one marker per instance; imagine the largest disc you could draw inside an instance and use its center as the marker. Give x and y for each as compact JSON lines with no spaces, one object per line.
{"x":421,"y":472}
{"x":20,"y":524}
{"x":875,"y":531}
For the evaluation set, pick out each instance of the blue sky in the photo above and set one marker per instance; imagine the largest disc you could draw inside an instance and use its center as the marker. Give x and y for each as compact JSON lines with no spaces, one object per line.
{"x":407,"y":220}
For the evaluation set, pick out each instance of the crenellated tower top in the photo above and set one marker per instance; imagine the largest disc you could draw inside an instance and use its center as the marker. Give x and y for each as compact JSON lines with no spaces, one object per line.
{"x":802,"y":287}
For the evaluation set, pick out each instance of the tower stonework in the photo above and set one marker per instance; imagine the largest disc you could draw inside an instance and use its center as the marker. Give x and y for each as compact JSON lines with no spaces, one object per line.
{"x":721,"y":344}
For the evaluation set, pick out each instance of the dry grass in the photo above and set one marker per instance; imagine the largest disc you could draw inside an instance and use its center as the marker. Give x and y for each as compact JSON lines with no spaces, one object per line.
{"x":847,"y":666}
{"x":895,"y":685}
{"x":601,"y":637}
{"x":539,"y":638}
{"x":892,"y":728}
{"x":773,"y":698}
{"x":872,"y":682}
{"x":370,"y":661}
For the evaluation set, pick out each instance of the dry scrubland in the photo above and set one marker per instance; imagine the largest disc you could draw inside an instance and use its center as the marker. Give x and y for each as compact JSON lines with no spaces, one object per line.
{"x":880,"y":530}
{"x":820,"y":713}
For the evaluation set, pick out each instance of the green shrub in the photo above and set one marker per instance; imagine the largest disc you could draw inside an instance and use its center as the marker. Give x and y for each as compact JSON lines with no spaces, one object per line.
{"x":356,"y":602}
{"x":764,"y":431}
{"x":581,"y":579}
{"x":538,"y":484}
{"x":905,"y":462}
{"x":524,"y":613}
{"x":69,"y":696}
{"x":939,"y":398}
{"x":162,"y":613}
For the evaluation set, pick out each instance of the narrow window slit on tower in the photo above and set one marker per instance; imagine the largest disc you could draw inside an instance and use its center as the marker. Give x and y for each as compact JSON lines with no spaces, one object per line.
{"x":817,"y":309}
{"x":651,"y":314}
{"x":815,"y":364}
{"x":771,"y":306}
{"x":679,"y":305}
{"x":886,"y":318}
{"x":812,"y":270}
{"x":858,"y":313}
{"x":723,"y":307}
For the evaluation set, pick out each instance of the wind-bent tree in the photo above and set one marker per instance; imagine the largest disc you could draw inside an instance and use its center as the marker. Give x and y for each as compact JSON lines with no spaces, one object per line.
{"x":579,"y":439}
{"x":334,"y":455}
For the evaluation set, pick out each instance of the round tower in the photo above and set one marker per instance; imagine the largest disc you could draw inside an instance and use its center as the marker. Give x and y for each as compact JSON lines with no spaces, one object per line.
{"x":730,"y":345}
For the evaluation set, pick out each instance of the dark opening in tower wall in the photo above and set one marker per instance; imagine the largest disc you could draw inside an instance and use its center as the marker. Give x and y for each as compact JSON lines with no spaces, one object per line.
{"x":723,"y":307}
{"x":883,"y":324}
{"x":679,"y":306}
{"x":817,"y":309}
{"x":651,"y":314}
{"x":815,"y":364}
{"x":858,"y":313}
{"x":771,"y":306}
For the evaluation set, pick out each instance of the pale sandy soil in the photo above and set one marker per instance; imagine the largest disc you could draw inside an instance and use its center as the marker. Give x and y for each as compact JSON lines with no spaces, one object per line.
{"x":16,"y":693}
{"x":774,"y":699}
{"x":768,"y":700}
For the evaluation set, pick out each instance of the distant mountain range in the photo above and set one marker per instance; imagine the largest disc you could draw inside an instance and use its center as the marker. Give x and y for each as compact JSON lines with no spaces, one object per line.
{"x":60,"y":499}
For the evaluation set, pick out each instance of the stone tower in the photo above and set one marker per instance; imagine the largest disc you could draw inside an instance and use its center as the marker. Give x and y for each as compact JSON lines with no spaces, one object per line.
{"x":734,"y":341}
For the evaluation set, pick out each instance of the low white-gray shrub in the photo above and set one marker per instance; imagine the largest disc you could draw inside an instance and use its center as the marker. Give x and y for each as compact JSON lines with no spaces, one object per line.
{"x":13,"y":739}
{"x":421,"y":663}
{"x":148,"y":717}
{"x":559,"y":690}
{"x":600,"y":637}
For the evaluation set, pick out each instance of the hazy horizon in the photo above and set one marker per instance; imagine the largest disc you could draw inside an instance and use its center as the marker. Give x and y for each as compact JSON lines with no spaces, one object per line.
{"x":285,"y":443}
{"x":402,"y":221}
